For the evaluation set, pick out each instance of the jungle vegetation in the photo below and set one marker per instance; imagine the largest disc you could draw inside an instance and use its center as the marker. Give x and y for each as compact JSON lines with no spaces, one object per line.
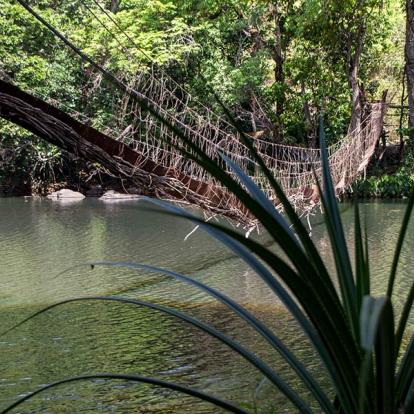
{"x":273,"y":63}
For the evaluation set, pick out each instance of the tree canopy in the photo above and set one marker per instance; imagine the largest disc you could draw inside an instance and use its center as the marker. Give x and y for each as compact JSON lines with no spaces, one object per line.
{"x":275,"y":64}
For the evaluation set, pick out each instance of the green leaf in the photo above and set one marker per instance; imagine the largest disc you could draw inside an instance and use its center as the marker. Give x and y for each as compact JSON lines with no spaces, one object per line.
{"x":332,"y":349}
{"x":337,"y":237}
{"x":300,"y":229}
{"x":256,"y":324}
{"x":409,"y":400}
{"x":385,"y":359}
{"x":133,"y":378}
{"x":405,"y":374}
{"x":369,"y":320}
{"x":361,"y":257}
{"x":273,"y":377}
{"x":377,"y":334}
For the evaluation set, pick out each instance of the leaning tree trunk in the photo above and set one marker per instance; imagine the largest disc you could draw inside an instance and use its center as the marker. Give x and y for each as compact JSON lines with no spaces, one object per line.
{"x":409,"y":63}
{"x":60,"y":129}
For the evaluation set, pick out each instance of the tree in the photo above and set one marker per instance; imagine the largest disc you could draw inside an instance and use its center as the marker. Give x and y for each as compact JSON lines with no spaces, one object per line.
{"x":346,"y":29}
{"x":409,"y":63}
{"x":273,"y":25}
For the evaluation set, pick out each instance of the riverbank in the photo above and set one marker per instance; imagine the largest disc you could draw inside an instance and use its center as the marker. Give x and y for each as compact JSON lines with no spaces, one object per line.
{"x":90,"y":180}
{"x":390,"y":174}
{"x":398,"y":185}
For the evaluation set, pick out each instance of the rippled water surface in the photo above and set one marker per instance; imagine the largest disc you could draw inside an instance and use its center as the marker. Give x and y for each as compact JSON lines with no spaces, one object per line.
{"x":43,"y":248}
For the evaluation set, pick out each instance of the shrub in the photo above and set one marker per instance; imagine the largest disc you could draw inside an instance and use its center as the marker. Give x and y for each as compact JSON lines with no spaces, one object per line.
{"x":398,"y":185}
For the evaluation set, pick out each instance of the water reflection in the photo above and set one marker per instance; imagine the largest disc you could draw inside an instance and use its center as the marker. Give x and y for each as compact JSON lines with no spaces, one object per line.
{"x":39,"y":239}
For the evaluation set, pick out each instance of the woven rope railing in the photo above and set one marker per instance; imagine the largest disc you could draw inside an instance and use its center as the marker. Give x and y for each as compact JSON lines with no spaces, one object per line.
{"x":293,"y":167}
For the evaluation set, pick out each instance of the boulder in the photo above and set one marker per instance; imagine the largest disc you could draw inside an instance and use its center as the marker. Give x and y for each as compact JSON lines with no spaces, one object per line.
{"x":112,"y":195}
{"x":65,"y":194}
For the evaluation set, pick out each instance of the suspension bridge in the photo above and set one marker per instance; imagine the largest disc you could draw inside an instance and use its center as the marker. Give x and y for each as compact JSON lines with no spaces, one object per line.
{"x":136,"y":140}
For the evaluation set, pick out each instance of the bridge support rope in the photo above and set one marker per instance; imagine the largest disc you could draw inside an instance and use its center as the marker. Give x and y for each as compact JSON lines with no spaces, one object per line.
{"x":60,"y":129}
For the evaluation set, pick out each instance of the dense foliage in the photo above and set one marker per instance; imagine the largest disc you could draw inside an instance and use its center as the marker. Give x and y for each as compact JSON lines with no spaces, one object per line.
{"x":396,"y":185}
{"x":273,"y":63}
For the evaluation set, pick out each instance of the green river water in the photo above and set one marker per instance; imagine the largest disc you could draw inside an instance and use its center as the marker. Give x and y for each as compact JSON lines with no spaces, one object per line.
{"x":40,"y":238}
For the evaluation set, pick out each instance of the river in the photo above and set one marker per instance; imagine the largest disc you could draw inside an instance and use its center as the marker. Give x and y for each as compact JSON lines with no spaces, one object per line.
{"x":40,"y":239}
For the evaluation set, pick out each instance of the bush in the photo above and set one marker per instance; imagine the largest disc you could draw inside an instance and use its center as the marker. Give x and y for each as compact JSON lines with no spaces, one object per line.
{"x":398,"y":185}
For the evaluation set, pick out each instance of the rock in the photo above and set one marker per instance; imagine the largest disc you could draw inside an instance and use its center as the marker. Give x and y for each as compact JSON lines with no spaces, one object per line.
{"x":113,"y":195}
{"x":66,"y":194}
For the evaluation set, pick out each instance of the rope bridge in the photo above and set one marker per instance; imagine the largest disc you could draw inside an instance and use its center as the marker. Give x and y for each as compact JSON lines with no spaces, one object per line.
{"x":134,"y":147}
{"x":131,"y":142}
{"x":292,"y":166}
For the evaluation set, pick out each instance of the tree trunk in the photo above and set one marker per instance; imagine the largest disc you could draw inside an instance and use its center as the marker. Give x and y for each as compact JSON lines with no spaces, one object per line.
{"x":114,"y":7}
{"x":59,"y":128}
{"x":353,"y":71}
{"x":409,"y":63}
{"x":355,"y":124}
{"x":278,"y":57}
{"x":309,"y":124}
{"x":401,"y":118}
